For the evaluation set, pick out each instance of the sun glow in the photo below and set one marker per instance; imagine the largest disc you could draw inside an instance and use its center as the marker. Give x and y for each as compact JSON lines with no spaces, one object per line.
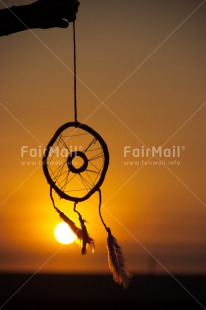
{"x":64,"y":234}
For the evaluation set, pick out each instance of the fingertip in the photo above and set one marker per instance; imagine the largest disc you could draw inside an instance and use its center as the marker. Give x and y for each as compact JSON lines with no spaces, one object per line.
{"x":63,"y":24}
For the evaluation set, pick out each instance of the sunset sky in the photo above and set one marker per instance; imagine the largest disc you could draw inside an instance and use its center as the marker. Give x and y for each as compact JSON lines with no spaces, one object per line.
{"x":141,"y":84}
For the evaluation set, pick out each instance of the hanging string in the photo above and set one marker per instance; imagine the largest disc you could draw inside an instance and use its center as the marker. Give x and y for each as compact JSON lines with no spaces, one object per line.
{"x":75,"y":73}
{"x":116,"y":259}
{"x":100,"y":214}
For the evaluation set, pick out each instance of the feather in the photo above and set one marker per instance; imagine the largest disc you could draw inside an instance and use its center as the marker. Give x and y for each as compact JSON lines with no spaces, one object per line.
{"x":116,"y":261}
{"x":82,"y":234}
{"x":86,"y":239}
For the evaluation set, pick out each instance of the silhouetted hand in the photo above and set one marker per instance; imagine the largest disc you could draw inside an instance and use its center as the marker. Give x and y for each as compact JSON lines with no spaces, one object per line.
{"x":40,"y":14}
{"x":53,"y":13}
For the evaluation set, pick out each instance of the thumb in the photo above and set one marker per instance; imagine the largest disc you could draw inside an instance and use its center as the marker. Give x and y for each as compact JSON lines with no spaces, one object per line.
{"x":61,"y":23}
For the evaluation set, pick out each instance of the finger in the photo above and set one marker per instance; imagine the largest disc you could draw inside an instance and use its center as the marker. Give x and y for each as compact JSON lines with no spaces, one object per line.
{"x":61,"y":23}
{"x":67,"y":9}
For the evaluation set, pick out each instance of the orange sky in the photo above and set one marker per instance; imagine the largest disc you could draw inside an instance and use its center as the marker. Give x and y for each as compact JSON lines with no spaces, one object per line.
{"x":145,"y":62}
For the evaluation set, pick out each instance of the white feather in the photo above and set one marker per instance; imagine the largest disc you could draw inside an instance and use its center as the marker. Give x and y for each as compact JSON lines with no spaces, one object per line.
{"x":116,"y":262}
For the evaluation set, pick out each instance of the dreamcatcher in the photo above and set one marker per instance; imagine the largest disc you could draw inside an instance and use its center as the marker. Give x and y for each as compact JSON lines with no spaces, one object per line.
{"x":75,"y":163}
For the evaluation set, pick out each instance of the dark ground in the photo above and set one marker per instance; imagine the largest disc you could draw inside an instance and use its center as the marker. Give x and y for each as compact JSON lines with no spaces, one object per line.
{"x":50,"y":291}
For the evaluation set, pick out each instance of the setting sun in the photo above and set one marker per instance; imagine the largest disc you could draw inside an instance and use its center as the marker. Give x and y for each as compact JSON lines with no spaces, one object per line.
{"x":64,"y":234}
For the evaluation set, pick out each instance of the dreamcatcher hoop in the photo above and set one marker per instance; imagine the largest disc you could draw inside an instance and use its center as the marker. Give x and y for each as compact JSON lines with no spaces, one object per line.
{"x":74,"y":168}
